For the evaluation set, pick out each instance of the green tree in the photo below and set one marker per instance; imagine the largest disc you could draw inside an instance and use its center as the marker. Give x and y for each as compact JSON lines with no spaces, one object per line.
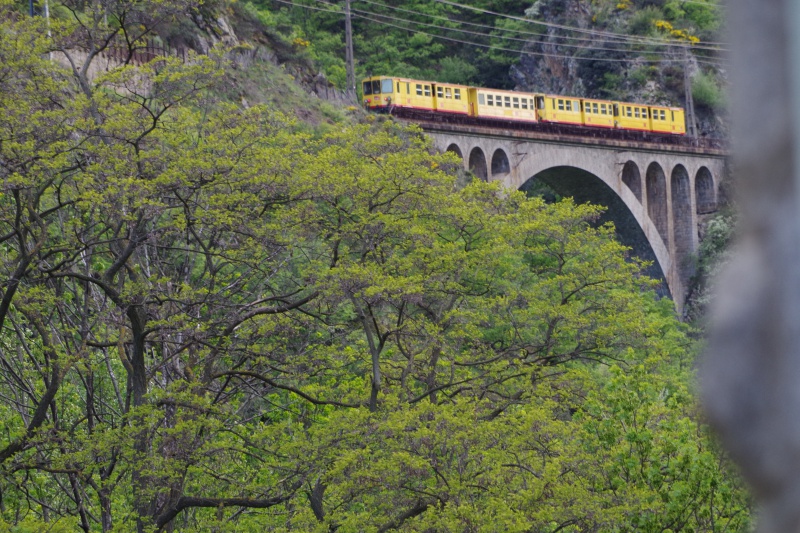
{"x":210,"y":320}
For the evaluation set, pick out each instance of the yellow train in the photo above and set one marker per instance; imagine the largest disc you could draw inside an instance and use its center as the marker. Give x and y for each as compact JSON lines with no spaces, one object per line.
{"x":385,"y":93}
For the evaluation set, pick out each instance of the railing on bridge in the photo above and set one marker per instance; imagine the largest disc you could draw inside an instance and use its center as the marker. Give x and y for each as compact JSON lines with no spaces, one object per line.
{"x":584,"y":132}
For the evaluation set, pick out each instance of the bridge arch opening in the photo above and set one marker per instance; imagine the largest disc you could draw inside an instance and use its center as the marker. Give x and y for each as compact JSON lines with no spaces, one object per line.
{"x":682,"y":222}
{"x":633,"y":179}
{"x":477,"y":164}
{"x":656,"y":183}
{"x":456,"y":150}
{"x":585,"y":187}
{"x":500,"y":164}
{"x":705,"y":192}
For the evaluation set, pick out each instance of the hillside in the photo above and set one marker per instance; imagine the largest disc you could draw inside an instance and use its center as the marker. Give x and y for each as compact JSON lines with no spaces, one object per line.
{"x":636,"y":51}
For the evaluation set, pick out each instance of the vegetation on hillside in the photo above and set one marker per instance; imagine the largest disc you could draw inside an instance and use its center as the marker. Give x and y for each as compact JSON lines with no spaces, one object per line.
{"x":484,"y":42}
{"x":212,"y":320}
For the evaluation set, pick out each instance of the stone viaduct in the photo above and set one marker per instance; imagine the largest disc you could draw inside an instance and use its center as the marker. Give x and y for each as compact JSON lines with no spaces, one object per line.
{"x":655,"y":193}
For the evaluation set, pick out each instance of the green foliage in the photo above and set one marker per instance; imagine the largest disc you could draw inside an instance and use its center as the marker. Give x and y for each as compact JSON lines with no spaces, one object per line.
{"x":213,"y":320}
{"x":706,"y":92}
{"x":643,"y":22}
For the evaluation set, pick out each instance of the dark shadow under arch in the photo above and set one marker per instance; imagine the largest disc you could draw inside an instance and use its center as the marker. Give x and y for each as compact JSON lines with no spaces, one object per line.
{"x":500,"y":163}
{"x":682,"y":223}
{"x":455,"y":149}
{"x":656,"y":183}
{"x":633,"y":179}
{"x":585,"y":187}
{"x":705,"y":192}
{"x":477,"y":164}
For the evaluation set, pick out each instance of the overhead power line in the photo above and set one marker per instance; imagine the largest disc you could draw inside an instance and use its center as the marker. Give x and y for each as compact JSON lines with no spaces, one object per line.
{"x":669,"y":44}
{"x":558,"y":26}
{"x":363,"y":16}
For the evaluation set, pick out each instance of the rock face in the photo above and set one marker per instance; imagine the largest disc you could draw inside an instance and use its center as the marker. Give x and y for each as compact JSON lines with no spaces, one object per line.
{"x":582,"y":64}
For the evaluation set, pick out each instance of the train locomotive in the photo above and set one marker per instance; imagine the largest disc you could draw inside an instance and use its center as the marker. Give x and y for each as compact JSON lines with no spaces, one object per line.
{"x":385,"y":93}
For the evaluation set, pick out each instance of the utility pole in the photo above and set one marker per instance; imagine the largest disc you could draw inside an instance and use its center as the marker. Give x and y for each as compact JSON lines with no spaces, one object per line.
{"x":348,"y":38}
{"x":687,"y":87}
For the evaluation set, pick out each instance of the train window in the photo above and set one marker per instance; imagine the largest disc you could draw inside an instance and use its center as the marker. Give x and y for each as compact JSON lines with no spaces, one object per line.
{"x":616,"y":110}
{"x":603,"y":109}
{"x":457,"y":93}
{"x":508,"y":101}
{"x":448,"y":92}
{"x":367,"y":88}
{"x":524,"y":103}
{"x":419,"y":89}
{"x":376,"y":87}
{"x":491,"y":99}
{"x":481,"y":100}
{"x":673,"y":116}
{"x":644,"y":112}
{"x":408,"y":88}
{"x":439,"y":92}
{"x":636,"y":112}
{"x":427,"y":90}
{"x":561,"y":105}
{"x":594,"y":108}
{"x":386,"y":86}
{"x":628,"y":111}
{"x":516,"y":102}
{"x":663,"y":115}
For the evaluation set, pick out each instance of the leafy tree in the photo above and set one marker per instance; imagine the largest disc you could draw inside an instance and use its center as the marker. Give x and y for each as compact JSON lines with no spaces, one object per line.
{"x":210,"y":320}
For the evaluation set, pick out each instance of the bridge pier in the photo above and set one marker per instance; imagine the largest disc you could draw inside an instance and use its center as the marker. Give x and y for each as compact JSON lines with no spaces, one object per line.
{"x":665,"y":189}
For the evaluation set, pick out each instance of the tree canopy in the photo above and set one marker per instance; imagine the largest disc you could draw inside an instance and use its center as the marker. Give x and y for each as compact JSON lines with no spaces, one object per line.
{"x":211,"y":320}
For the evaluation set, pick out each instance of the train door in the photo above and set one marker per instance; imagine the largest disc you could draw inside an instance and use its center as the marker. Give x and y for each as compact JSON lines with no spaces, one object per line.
{"x":541,"y":112}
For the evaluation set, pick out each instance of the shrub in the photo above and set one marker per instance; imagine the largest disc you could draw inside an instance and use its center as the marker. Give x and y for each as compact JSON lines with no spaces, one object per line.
{"x":706,"y":92}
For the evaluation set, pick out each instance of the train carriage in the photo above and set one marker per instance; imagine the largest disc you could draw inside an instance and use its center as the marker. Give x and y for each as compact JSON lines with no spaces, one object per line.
{"x":598,"y":113}
{"x":449,"y":98}
{"x":509,"y":105}
{"x":561,"y":109}
{"x":381,"y":93}
{"x":633,"y":117}
{"x":667,"y":120}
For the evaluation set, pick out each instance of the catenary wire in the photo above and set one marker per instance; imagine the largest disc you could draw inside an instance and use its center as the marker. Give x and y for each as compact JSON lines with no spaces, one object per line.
{"x":496,"y":36}
{"x":551,"y":24}
{"x":627,"y":38}
{"x":488,"y":46}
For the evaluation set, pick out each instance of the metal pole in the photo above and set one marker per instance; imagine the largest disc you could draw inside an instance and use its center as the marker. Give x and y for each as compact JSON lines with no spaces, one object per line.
{"x":687,"y":87}
{"x":348,"y":36}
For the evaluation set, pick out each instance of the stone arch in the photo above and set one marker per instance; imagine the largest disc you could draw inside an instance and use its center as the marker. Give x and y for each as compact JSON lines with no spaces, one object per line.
{"x":584,"y":186}
{"x":682,"y":222}
{"x":477,"y":164}
{"x":656,"y":183}
{"x":456,"y":150}
{"x":705,"y":192}
{"x":633,"y":179}
{"x":500,"y":164}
